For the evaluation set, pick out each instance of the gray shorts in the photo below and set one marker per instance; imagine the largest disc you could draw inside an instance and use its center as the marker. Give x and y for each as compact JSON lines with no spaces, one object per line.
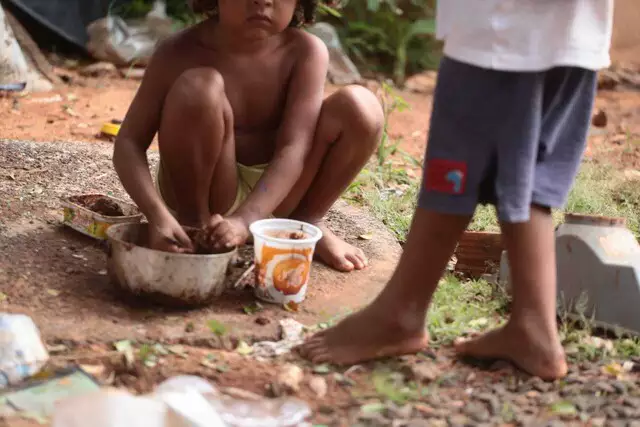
{"x":511,"y":139}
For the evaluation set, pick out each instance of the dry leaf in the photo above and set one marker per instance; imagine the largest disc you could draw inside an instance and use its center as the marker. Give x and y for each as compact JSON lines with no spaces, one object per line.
{"x":366,"y":236}
{"x":53,"y":292}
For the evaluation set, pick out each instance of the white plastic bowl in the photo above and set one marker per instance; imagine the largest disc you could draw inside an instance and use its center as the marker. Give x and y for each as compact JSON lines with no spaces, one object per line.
{"x":171,"y":277}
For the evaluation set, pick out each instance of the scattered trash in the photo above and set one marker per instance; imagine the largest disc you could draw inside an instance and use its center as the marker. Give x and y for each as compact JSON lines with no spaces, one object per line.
{"x":110,"y":129}
{"x":291,"y":333}
{"x":319,"y":386}
{"x":93,"y":214}
{"x":126,"y":349}
{"x":38,"y":397}
{"x":184,"y":401}
{"x":288,"y":380}
{"x":47,"y":100}
{"x":342,"y":71}
{"x":366,"y":236}
{"x":22,"y":353}
{"x":113,"y":40}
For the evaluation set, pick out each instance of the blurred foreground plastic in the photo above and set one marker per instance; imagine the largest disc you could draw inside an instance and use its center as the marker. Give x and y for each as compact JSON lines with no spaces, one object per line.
{"x":184,"y":401}
{"x":22,"y":353}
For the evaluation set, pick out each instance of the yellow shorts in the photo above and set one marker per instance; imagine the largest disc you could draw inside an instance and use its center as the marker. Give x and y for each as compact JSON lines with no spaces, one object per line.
{"x":248,"y":177}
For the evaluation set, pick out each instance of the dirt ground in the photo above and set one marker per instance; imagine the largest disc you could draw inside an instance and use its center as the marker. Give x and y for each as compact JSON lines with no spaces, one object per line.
{"x":58,"y":277}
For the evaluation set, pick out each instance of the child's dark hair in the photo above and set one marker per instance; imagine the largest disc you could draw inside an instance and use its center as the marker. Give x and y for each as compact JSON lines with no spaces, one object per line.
{"x":305,"y":13}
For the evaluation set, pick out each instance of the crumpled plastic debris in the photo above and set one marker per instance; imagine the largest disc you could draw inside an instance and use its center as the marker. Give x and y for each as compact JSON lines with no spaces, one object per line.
{"x":183,"y":401}
{"x":22,"y":353}
{"x":291,"y":333}
{"x":111,"y":39}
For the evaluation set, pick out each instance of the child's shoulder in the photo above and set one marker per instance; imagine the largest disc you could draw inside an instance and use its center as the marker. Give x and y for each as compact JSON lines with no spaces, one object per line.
{"x":305,"y":45}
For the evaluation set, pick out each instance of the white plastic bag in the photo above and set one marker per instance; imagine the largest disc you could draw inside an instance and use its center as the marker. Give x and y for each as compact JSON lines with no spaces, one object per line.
{"x":184,"y":401}
{"x":22,"y":353}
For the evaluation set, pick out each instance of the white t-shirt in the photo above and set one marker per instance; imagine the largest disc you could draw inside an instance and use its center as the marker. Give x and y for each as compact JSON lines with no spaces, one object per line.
{"x":527,"y":35}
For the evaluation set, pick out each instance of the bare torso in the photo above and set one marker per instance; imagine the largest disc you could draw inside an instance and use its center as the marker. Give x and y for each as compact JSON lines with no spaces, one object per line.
{"x":255,"y":85}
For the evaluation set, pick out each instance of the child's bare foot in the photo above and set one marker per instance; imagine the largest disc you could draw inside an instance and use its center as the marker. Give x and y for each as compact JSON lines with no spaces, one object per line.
{"x":337,"y":253}
{"x":367,"y":335}
{"x":527,"y":347}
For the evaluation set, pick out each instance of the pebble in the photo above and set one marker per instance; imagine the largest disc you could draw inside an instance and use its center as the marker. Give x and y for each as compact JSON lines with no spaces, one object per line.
{"x":423,"y":372}
{"x":619,"y":387}
{"x":477,"y":412}
{"x":399,"y":412}
{"x":492,"y":402}
{"x":459,"y":420}
{"x":417,"y":422}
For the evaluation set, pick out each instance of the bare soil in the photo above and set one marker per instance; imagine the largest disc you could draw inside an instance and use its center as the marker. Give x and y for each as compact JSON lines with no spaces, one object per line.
{"x":58,"y":277}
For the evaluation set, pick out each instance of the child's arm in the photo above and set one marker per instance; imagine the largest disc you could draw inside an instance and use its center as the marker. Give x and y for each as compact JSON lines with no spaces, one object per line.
{"x":130,"y":160}
{"x":294,"y":141}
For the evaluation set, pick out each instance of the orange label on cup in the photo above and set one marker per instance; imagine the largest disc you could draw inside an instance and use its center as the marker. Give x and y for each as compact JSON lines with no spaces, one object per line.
{"x":290,"y":274}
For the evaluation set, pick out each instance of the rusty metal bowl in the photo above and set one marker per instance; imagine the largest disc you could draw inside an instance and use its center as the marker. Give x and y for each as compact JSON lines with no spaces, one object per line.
{"x":169,"y":277}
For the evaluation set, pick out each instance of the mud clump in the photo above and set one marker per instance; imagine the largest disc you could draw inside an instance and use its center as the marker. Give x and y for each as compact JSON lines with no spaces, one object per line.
{"x":100,"y":205}
{"x":288,"y":235}
{"x":201,"y":242}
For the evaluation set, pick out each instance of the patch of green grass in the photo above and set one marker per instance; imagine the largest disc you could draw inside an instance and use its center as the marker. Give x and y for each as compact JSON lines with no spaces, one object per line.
{"x":460,"y":307}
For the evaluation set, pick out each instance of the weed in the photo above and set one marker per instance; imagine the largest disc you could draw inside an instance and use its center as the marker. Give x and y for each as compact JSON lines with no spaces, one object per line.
{"x":460,"y":307}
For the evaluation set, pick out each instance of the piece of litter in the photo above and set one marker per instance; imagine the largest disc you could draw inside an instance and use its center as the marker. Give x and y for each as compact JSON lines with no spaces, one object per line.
{"x":321,"y":369}
{"x":78,"y":256}
{"x":126,"y":349}
{"x":53,"y":292}
{"x":3,"y":296}
{"x":102,"y":272}
{"x":319,"y":386}
{"x":178,"y":350}
{"x":244,"y":349}
{"x":367,"y":236}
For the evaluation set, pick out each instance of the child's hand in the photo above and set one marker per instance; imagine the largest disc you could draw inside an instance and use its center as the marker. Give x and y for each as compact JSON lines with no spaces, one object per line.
{"x":226,"y":233}
{"x":169,"y":237}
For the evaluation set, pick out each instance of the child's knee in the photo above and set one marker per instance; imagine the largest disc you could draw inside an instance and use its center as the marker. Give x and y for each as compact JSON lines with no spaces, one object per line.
{"x":360,"y":110}
{"x":196,"y":88}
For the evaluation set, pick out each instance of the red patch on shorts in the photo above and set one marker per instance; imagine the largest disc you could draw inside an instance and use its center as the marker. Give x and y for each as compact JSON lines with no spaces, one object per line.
{"x":446,"y":176}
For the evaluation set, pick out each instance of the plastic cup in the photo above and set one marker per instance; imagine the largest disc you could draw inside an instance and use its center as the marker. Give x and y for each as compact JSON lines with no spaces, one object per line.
{"x":283,"y":255}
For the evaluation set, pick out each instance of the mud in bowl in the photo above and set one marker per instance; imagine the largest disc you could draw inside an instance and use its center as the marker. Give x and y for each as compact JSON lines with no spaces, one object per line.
{"x":284,"y":251}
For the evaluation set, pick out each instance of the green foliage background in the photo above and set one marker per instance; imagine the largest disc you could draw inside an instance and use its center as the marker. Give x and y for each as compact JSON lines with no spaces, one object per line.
{"x":386,"y":38}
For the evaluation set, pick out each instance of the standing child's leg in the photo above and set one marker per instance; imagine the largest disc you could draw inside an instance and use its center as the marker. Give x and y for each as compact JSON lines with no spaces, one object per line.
{"x":530,"y":339}
{"x":394,"y":324}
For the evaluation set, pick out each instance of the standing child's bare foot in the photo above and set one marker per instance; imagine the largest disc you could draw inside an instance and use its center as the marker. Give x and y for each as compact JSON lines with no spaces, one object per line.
{"x":370,"y":334}
{"x":526,"y":346}
{"x":337,"y":253}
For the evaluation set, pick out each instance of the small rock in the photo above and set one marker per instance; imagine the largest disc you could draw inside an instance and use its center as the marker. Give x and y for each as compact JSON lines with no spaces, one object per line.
{"x":99,"y":69}
{"x":605,"y":387}
{"x":424,"y":372}
{"x":425,"y":410}
{"x":289,"y":379}
{"x":541,"y":385}
{"x":597,"y":422}
{"x":326,"y":409}
{"x":492,"y":402}
{"x":417,"y":422}
{"x":262,"y":321}
{"x":459,"y":420}
{"x":399,"y":412}
{"x":319,"y":386}
{"x":619,"y":387}
{"x":421,"y":83}
{"x":477,"y":412}
{"x":600,"y":119}
{"x":634,"y":424}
